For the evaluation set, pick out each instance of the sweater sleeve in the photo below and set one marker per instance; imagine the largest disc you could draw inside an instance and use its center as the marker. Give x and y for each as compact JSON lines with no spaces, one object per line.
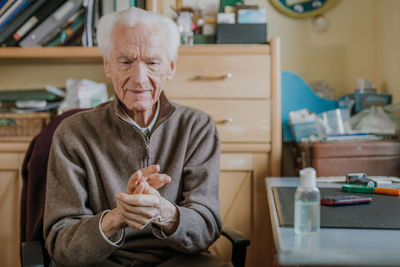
{"x":71,"y":229}
{"x":199,"y":221}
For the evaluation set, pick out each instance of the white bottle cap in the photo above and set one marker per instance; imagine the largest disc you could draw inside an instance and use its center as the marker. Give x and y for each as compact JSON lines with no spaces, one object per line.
{"x":308,"y":177}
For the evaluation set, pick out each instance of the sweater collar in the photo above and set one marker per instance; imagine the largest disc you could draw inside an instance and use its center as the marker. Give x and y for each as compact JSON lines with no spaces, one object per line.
{"x":166,"y":108}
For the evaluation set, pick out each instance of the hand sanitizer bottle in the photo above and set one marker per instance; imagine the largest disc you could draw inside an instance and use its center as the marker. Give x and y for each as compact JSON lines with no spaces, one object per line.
{"x":307,"y":204}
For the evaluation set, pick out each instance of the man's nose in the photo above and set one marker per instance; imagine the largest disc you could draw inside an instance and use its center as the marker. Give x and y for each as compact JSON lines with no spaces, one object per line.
{"x":139,"y":73}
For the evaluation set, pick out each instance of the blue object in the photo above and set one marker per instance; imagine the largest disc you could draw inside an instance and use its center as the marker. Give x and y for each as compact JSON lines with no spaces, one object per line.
{"x":15,"y":13}
{"x":303,"y":130}
{"x":363,"y":101}
{"x":2,"y":3}
{"x":296,"y":95}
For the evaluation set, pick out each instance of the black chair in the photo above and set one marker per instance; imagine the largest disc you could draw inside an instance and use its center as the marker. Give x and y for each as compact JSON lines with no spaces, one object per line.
{"x":33,"y":252}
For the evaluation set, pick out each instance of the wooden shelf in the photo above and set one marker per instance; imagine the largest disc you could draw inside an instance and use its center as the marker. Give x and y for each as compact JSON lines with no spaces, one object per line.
{"x":64,"y":55}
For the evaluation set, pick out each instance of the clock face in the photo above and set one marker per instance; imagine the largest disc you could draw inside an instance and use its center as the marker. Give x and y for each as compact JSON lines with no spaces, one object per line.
{"x":302,"y":8}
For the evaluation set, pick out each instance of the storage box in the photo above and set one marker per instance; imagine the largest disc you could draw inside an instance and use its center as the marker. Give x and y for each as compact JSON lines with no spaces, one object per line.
{"x":242,"y":33}
{"x":358,"y":102}
{"x":22,"y":126}
{"x":374,"y":158}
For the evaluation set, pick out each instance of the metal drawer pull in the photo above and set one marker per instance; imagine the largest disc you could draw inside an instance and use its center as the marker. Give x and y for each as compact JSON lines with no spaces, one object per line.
{"x":211,"y":78}
{"x":225,"y":121}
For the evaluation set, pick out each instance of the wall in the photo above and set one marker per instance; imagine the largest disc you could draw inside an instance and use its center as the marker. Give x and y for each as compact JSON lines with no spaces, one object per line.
{"x":361,"y":42}
{"x":387,"y":50}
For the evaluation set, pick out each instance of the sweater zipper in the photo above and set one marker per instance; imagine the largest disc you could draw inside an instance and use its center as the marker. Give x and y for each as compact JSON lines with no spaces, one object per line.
{"x":148,"y":154}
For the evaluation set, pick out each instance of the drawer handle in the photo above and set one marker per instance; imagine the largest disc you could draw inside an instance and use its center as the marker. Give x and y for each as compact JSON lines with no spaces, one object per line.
{"x":212,"y":78}
{"x":225,"y":121}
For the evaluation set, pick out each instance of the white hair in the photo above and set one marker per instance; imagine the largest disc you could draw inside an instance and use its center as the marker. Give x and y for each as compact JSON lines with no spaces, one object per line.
{"x":130,"y":17}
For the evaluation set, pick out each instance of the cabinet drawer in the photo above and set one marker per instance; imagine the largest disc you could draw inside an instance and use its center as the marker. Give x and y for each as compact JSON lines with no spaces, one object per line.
{"x":237,"y":120}
{"x":221,"y":76}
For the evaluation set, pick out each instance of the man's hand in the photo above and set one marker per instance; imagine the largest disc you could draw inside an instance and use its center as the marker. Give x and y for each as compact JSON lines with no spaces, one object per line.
{"x":114,"y":221}
{"x":146,"y":205}
{"x":150,"y":175}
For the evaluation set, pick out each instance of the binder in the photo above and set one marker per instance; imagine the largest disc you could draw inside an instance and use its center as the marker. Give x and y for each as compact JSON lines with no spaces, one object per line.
{"x":40,"y":15}
{"x":52,"y":23}
{"x":20,"y":19}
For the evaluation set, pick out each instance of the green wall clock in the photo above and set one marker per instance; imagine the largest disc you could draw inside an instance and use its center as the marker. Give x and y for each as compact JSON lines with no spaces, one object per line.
{"x":302,"y":8}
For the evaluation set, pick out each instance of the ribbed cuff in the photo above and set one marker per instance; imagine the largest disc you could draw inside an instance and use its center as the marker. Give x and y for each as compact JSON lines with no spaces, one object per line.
{"x":122,"y":235}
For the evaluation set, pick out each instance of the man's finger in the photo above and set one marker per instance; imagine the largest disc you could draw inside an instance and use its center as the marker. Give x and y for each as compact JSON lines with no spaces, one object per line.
{"x":141,"y":200}
{"x":145,"y":172}
{"x":157,"y":180}
{"x":150,"y":170}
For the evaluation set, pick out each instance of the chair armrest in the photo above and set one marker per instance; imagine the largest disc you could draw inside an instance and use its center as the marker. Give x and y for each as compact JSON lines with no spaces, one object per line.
{"x":239,"y":245}
{"x":32,"y":254}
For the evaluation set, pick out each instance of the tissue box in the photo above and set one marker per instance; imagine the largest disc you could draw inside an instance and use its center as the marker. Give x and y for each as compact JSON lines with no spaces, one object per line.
{"x":304,"y":130}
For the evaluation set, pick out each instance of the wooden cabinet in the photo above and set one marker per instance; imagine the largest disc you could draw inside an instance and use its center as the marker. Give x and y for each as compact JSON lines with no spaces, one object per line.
{"x":11,"y":157}
{"x":238,"y":85}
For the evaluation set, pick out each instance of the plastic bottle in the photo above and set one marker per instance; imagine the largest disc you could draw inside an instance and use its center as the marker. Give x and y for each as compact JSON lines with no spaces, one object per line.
{"x":307,"y":204}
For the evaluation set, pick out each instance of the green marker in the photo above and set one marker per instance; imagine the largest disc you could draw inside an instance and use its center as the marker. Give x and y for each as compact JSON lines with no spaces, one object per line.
{"x":357,"y":188}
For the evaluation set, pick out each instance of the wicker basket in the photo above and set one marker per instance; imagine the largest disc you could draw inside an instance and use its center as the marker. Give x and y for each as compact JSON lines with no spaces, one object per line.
{"x":22,"y":125}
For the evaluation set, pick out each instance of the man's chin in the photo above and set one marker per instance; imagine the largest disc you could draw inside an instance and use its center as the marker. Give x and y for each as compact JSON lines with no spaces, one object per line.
{"x":139,"y":106}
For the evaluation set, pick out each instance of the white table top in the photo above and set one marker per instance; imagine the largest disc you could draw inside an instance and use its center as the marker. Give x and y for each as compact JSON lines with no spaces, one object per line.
{"x":332,"y":246}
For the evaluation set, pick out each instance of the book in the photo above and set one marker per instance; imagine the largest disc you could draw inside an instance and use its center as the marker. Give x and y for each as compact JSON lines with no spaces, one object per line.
{"x":2,"y":3}
{"x":20,"y":19}
{"x":87,"y":36}
{"x":69,"y":30}
{"x":52,"y":23}
{"x":120,"y":5}
{"x":12,"y":11}
{"x":6,"y":5}
{"x":141,"y":4}
{"x":107,"y":6}
{"x":40,"y":15}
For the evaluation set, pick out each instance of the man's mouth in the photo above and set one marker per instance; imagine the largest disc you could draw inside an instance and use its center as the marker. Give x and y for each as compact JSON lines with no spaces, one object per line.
{"x":138,"y":92}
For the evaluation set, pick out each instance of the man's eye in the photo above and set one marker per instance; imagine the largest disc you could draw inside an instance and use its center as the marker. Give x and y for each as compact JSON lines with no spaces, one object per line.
{"x":153,"y":63}
{"x":126,"y":62}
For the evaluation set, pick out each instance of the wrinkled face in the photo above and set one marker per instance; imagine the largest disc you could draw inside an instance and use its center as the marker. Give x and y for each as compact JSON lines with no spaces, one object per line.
{"x":138,"y":65}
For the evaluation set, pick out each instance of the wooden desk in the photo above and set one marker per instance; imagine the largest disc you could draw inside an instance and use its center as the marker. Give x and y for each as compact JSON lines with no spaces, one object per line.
{"x":332,"y":246}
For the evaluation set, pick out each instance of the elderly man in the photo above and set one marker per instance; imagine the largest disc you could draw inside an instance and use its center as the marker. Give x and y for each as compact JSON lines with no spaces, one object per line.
{"x":134,"y":181}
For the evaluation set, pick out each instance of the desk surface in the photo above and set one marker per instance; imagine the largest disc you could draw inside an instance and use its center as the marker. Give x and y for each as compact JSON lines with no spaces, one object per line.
{"x":332,"y":246}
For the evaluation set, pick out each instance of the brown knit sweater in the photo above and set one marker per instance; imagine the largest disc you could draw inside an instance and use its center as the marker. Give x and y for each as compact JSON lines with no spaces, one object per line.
{"x":93,"y":155}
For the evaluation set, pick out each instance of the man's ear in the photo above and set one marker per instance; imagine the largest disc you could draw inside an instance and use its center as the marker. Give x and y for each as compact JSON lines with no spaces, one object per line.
{"x":171,"y":70}
{"x":107,"y":68}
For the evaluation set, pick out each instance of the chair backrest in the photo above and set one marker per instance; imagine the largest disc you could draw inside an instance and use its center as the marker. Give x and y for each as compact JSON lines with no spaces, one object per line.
{"x":34,"y":169}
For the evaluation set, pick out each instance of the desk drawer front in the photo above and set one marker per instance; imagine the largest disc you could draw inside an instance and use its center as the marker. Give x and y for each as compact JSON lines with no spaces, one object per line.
{"x":237,"y":120}
{"x":221,"y":76}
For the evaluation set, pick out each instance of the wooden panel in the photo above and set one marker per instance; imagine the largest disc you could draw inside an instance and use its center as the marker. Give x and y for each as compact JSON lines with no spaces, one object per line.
{"x":10,"y":161}
{"x":235,"y":194}
{"x":237,"y":120}
{"x":236,"y":161}
{"x":246,"y":71}
{"x":9,"y":214}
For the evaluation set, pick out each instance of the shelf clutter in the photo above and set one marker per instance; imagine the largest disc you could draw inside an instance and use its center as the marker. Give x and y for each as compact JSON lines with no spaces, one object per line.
{"x":32,"y":23}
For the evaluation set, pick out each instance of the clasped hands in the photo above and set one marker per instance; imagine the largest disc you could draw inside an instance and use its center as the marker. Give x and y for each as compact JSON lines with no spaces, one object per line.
{"x":142,"y":204}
